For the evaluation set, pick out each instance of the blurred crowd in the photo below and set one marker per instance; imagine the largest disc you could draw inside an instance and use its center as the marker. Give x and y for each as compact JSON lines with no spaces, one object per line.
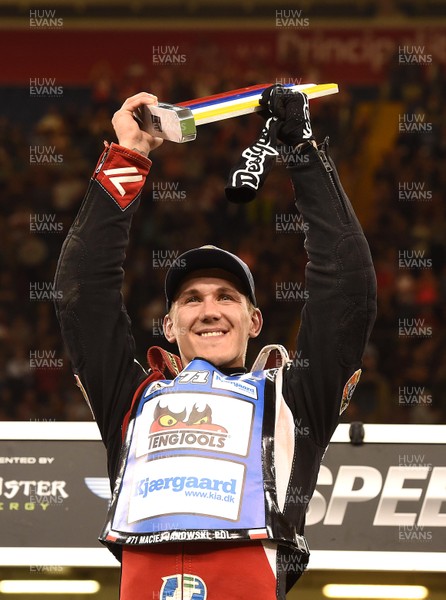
{"x":183,"y":206}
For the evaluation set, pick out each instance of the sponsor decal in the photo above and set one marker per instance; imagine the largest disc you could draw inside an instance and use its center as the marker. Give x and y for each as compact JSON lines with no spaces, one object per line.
{"x":164,"y":419}
{"x":182,"y":536}
{"x":190,"y":438}
{"x":239,"y":386}
{"x":170,"y":429}
{"x":349,"y":388}
{"x":177,"y":421}
{"x":186,"y":587}
{"x":30,"y":494}
{"x":255,"y":165}
{"x":13,"y":487}
{"x":187,"y":484}
{"x":157,"y":385}
{"x":122,"y":184}
{"x":177,"y":484}
{"x":362,"y":483}
{"x":122,"y":175}
{"x":156,"y":122}
{"x":26,"y":460}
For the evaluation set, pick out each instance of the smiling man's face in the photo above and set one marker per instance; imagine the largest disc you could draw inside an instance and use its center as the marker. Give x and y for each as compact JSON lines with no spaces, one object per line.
{"x":211,"y":318}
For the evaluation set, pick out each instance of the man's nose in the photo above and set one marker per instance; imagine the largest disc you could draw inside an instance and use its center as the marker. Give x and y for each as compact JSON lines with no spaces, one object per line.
{"x":209,"y":310}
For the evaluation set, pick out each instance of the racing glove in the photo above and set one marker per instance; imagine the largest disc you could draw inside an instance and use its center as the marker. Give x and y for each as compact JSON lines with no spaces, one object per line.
{"x":292,"y":112}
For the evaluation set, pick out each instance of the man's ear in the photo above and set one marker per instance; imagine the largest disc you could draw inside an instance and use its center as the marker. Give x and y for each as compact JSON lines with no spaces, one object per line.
{"x":168,"y":329}
{"x":256,"y":323}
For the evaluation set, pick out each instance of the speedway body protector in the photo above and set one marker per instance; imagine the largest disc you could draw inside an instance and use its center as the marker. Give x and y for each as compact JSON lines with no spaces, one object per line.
{"x":197,"y":463}
{"x":178,"y":123}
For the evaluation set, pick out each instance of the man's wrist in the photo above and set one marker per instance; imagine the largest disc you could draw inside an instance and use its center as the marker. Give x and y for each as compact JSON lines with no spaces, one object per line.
{"x":142,"y":149}
{"x":145,"y":154}
{"x":132,"y":153}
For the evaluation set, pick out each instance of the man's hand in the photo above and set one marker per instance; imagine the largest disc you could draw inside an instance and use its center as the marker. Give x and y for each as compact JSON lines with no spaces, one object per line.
{"x":127,"y":130}
{"x":293,"y":114}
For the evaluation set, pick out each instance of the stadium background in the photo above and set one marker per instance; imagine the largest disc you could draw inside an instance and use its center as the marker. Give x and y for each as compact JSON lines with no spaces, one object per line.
{"x":66,"y":72}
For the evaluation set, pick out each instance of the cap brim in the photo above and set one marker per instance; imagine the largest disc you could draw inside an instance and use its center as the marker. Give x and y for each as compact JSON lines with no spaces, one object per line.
{"x":207,"y":258}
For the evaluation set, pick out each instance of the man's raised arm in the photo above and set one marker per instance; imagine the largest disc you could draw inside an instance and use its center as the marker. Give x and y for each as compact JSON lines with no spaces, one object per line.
{"x":340,"y":280}
{"x":94,"y":322}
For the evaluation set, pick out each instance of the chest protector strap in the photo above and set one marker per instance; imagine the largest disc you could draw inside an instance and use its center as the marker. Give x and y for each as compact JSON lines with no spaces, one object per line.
{"x":162,"y":365}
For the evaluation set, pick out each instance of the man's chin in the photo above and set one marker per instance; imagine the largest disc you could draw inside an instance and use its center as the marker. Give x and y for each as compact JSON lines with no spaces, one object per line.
{"x":218,"y":359}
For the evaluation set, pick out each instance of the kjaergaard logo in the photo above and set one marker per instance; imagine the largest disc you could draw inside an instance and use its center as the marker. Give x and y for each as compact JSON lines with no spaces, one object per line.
{"x":179,"y":483}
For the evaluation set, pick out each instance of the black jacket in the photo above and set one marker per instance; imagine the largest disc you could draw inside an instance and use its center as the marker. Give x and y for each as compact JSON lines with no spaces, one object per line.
{"x":335,"y":324}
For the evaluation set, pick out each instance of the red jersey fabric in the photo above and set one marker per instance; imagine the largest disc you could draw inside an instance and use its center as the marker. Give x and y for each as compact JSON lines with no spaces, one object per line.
{"x":197,"y":571}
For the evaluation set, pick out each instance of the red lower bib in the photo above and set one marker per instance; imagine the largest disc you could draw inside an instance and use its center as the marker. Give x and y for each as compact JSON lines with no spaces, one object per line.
{"x":197,"y":571}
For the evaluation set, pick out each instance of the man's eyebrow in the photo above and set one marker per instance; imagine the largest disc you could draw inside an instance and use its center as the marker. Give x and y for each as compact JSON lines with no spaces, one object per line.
{"x":188,"y":291}
{"x":219,"y":290}
{"x":228,"y":289}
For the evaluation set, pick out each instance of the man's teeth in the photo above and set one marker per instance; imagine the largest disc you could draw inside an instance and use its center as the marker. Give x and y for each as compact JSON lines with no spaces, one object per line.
{"x":213,"y":333}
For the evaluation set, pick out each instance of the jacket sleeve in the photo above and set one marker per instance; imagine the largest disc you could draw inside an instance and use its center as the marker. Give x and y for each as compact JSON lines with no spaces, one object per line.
{"x":89,"y":276}
{"x":340,"y":309}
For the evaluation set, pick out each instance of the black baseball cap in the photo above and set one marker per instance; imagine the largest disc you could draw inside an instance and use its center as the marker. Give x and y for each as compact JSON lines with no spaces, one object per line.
{"x":208,"y":257}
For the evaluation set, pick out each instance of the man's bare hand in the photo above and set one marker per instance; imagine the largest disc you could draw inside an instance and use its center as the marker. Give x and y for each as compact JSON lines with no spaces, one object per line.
{"x":127,"y":130}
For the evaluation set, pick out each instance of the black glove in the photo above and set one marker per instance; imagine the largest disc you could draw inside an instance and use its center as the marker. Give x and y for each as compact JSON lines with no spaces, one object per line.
{"x":292,"y":112}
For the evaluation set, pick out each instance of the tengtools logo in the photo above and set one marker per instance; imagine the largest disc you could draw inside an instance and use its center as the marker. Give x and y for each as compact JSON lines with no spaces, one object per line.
{"x":182,"y":430}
